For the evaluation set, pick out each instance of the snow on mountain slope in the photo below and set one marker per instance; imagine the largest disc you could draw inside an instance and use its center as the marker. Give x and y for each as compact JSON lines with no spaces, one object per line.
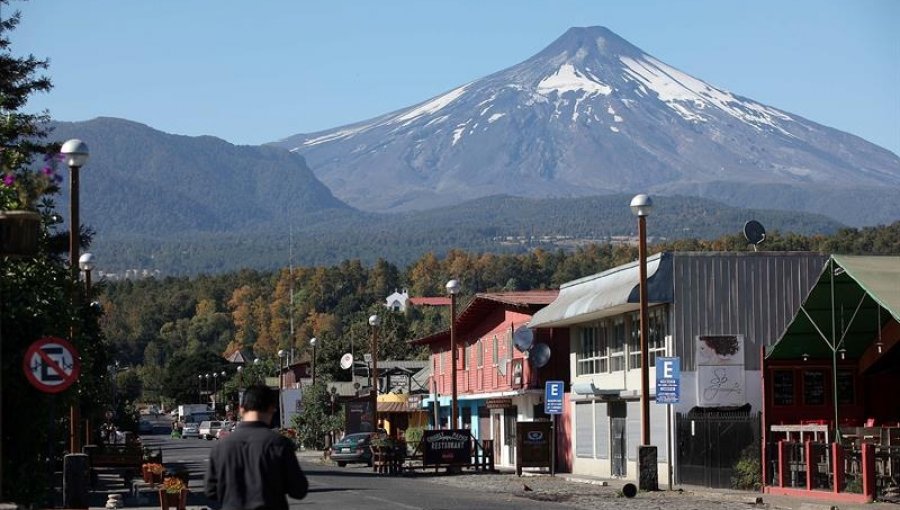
{"x":593,"y":114}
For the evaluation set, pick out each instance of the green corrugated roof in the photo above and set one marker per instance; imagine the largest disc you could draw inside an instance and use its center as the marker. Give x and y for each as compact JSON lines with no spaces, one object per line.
{"x":866,"y":289}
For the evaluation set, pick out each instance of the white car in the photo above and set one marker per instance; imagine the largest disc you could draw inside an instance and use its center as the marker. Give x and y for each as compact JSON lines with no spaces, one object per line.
{"x":209,"y":429}
{"x":190,"y":430}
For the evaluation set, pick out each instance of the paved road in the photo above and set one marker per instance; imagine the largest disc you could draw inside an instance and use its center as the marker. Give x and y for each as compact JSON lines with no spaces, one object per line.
{"x":356,"y":488}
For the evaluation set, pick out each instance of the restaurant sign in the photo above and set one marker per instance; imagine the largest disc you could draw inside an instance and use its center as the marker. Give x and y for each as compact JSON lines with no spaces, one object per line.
{"x":446,"y":447}
{"x":498,"y":403}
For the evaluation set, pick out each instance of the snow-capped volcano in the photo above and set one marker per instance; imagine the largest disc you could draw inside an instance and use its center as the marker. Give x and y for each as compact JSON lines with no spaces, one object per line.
{"x":592,"y":114}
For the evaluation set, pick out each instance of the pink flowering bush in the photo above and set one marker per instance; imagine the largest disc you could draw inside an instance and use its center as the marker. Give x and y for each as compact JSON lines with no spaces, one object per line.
{"x":21,"y":186}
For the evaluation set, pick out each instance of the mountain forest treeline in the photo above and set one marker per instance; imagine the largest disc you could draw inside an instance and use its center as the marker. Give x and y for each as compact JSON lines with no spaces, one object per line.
{"x":171,"y":330}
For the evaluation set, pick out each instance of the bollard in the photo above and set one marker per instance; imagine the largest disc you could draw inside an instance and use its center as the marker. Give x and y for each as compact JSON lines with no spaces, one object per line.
{"x":76,"y":480}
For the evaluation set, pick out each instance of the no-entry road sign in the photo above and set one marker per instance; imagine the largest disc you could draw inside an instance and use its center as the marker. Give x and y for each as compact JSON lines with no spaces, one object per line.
{"x":51,"y":364}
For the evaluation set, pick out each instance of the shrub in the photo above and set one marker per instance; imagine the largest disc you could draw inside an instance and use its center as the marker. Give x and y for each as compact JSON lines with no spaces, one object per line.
{"x":748,"y":469}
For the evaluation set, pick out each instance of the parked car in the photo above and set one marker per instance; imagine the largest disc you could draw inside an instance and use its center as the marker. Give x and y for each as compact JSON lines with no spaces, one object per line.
{"x":226,"y":429}
{"x":354,"y":448}
{"x":190,"y":430}
{"x":145,"y":427}
{"x":209,"y":429}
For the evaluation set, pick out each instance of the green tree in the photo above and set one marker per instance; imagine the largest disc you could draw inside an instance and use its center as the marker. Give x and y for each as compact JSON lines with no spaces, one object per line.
{"x":180,"y":381}
{"x":316,"y":419}
{"x":37,"y":295}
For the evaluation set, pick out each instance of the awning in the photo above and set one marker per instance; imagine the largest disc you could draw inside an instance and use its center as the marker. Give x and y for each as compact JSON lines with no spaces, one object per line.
{"x":866,"y":295}
{"x":611,"y":292}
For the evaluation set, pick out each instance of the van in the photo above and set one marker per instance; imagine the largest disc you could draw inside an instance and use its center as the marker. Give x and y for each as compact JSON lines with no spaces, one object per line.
{"x":209,"y":429}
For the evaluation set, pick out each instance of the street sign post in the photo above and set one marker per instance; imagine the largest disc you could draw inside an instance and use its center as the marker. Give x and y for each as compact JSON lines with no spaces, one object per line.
{"x":553,"y":405}
{"x":51,"y":364}
{"x":668,"y":380}
{"x":553,"y":397}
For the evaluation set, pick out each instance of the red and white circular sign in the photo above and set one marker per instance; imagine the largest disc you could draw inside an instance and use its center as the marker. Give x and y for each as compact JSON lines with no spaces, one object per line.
{"x":51,"y":364}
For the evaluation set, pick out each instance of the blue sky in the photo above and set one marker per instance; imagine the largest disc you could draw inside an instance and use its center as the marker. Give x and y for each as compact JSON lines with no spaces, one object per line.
{"x":255,"y":72}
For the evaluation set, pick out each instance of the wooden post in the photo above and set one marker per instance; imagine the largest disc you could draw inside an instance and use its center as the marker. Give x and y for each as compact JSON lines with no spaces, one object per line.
{"x":868,"y":470}
{"x":782,"y":463}
{"x":837,"y":466}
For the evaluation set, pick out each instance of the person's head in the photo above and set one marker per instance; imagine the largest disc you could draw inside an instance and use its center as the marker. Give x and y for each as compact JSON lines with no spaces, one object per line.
{"x":259,"y":403}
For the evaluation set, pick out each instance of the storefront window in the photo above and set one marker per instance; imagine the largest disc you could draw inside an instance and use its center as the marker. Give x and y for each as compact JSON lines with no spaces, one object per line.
{"x":814,"y":387}
{"x":617,"y":345}
{"x":586,"y":357}
{"x":845,"y":387}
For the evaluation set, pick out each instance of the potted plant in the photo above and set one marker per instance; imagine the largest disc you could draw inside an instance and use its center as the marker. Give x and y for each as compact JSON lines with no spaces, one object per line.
{"x":152,"y":472}
{"x":20,"y":189}
{"x":173,"y":494}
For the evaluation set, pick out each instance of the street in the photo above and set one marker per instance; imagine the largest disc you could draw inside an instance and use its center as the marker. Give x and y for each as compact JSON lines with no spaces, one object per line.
{"x":357,"y":487}
{"x":353,"y":487}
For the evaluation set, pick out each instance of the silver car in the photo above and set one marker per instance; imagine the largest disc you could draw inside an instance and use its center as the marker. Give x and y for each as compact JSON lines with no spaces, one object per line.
{"x":190,"y":430}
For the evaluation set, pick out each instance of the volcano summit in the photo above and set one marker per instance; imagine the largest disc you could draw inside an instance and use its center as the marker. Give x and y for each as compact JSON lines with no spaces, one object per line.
{"x":592,"y":114}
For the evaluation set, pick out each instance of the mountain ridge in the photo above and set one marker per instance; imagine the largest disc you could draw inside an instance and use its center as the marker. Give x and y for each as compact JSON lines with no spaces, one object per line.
{"x":593,"y":114}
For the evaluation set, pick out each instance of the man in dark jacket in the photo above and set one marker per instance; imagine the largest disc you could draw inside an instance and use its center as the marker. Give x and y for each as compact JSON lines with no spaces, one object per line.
{"x":254,"y":467}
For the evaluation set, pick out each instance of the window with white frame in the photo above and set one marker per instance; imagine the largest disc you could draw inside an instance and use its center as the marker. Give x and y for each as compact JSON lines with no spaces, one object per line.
{"x":617,"y":344}
{"x":657,"y":330}
{"x":479,"y":353}
{"x":496,"y":351}
{"x":587,"y":355}
{"x":634,"y":340}
{"x":509,"y":343}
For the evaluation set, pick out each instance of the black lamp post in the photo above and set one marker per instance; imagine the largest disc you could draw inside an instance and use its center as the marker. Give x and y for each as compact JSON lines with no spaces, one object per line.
{"x":312,"y":343}
{"x":453,"y":290}
{"x":375,"y":321}
{"x":76,"y":154}
{"x":640,"y":207}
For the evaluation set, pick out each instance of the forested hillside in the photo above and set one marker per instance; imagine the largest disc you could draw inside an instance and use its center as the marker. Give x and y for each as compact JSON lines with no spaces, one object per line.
{"x":158,"y":324}
{"x":329,"y":236}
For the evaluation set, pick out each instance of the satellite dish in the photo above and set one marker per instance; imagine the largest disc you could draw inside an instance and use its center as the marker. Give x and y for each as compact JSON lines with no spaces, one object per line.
{"x":346,"y":361}
{"x":539,"y":355}
{"x":523,"y":338}
{"x":754,"y":232}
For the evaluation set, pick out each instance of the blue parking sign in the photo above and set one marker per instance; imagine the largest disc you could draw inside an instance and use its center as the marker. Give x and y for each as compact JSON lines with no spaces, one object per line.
{"x":668,"y":380}
{"x":553,"y":397}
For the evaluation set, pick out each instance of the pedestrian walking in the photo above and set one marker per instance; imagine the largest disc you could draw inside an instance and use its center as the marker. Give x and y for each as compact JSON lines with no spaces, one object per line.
{"x":254,"y":468}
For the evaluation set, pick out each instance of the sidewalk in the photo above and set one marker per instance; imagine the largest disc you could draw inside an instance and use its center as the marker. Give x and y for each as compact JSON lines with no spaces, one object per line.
{"x":506,"y":480}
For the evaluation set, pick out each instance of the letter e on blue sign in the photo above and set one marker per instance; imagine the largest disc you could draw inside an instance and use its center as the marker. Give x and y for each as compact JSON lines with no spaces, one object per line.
{"x":553,"y":397}
{"x":668,"y":380}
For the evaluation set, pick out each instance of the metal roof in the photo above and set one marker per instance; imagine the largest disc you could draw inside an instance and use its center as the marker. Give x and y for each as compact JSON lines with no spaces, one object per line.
{"x":607,"y":293}
{"x":524,"y":301}
{"x":852,"y":301}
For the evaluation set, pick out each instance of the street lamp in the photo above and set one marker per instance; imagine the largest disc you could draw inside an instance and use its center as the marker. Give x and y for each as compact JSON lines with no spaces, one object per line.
{"x":453,"y":290}
{"x":312,"y":343}
{"x":640,"y":207}
{"x":86,"y":264}
{"x":76,"y":153}
{"x":375,"y":321}
{"x":282,"y":354}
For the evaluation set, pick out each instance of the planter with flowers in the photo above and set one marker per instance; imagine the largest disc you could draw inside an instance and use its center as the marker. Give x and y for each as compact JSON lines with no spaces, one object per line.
{"x":173,"y":494}
{"x":20,"y":190}
{"x":152,"y":472}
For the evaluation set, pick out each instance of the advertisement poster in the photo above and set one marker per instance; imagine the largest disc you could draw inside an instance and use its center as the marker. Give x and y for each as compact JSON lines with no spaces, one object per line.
{"x":446,"y":447}
{"x":720,"y":370}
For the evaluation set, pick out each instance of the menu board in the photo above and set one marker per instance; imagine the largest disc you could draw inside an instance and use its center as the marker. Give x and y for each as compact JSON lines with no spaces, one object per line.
{"x":814,"y":387}
{"x":783,"y":389}
{"x":845,"y":392}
